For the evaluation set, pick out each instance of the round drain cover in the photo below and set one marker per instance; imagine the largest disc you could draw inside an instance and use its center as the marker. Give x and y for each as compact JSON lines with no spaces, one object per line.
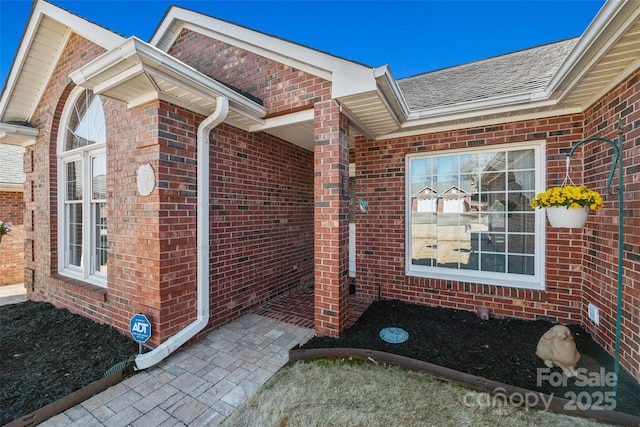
{"x":394,"y":335}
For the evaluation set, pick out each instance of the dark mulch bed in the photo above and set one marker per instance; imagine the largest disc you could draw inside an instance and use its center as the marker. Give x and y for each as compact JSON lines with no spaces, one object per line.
{"x":47,"y":353}
{"x":497,"y":349}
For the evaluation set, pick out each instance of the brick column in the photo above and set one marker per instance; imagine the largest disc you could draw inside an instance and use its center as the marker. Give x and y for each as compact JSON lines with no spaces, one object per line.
{"x":331,"y":222}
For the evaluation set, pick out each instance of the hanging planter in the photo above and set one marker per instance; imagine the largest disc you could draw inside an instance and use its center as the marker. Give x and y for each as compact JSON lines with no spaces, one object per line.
{"x":568,"y":206}
{"x":562,"y":216}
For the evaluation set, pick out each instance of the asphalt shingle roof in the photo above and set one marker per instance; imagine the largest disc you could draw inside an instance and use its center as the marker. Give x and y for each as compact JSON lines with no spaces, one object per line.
{"x":514,"y":73}
{"x":11,"y":164}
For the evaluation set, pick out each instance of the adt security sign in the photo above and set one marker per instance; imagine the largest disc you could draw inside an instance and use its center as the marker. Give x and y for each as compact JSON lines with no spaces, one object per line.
{"x":140,"y":328}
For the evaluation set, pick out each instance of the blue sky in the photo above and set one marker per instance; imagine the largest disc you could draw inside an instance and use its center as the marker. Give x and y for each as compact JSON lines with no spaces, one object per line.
{"x":413,"y":37}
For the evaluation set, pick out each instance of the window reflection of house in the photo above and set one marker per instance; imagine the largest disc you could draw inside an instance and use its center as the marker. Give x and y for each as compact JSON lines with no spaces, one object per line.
{"x":481,"y":220}
{"x":441,"y":229}
{"x":507,"y":180}
{"x":443,"y":197}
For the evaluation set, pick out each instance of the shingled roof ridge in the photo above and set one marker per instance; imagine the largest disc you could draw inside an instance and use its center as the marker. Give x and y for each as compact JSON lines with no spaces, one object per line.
{"x":575,"y":39}
{"x":524,"y":71}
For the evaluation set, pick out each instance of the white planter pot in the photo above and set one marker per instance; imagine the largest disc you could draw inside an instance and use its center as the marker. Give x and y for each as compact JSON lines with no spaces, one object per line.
{"x":561,"y":216}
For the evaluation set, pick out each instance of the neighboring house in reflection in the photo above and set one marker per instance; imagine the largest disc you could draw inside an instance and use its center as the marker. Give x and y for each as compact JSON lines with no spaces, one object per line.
{"x":443,"y":197}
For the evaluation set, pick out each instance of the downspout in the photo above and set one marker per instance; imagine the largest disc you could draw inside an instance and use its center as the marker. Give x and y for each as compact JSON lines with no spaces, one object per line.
{"x":147,"y":360}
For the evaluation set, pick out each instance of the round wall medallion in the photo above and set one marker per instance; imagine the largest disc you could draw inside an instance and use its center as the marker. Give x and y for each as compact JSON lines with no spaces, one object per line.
{"x":146,"y":180}
{"x":394,"y":335}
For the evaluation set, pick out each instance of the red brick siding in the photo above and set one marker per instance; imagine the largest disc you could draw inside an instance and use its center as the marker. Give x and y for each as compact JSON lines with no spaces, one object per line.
{"x":581,"y":267}
{"x":381,"y":232}
{"x":12,"y":245}
{"x":133,"y":225}
{"x":116,"y":305}
{"x":175,"y":221}
{"x":600,"y":278}
{"x":331,"y":156}
{"x":41,"y":188}
{"x":261,"y":220}
{"x":281,"y":87}
{"x":261,"y":215}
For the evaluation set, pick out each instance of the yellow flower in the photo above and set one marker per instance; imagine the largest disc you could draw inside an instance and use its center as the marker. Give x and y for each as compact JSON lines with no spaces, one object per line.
{"x":571,"y":196}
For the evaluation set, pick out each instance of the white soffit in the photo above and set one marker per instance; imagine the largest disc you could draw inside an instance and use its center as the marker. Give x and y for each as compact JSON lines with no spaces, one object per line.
{"x":297,"y":128}
{"x":620,"y":61}
{"x":12,"y":134}
{"x":136,"y":73}
{"x":606,"y":54}
{"x":45,"y":37}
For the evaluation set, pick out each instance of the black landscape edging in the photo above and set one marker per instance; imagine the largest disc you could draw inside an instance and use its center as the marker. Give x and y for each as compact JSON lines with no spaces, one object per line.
{"x":61,"y":405}
{"x":556,"y":404}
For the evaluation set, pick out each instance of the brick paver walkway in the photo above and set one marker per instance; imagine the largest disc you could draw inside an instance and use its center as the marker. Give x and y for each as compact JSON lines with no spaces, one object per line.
{"x":203,"y":383}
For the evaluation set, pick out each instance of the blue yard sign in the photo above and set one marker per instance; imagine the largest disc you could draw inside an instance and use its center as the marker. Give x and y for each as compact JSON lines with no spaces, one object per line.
{"x":140,"y":328}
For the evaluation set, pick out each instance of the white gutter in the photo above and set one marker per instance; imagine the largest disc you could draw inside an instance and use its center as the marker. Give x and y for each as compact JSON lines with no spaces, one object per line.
{"x":594,"y":34}
{"x":158,"y":354}
{"x":384,"y":78}
{"x":13,"y":134}
{"x":133,"y":57}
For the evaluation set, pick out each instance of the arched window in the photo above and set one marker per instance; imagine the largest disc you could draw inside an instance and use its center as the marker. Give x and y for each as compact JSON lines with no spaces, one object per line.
{"x":82,"y":193}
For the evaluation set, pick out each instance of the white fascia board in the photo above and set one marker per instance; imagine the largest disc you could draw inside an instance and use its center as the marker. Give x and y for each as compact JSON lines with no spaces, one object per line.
{"x":494,"y":105}
{"x":611,"y":22}
{"x":347,"y":77}
{"x":608,"y":26}
{"x":18,"y":135}
{"x":99,"y":35}
{"x":465,"y":123}
{"x":385,"y":79}
{"x":134,"y":57}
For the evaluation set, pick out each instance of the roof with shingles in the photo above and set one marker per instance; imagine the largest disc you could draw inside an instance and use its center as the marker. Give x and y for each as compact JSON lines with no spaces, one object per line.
{"x":515,"y":73}
{"x":11,"y":164}
{"x":440,"y":188}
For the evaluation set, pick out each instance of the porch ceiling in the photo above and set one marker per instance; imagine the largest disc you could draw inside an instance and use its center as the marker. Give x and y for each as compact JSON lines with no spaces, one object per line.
{"x":297,"y":128}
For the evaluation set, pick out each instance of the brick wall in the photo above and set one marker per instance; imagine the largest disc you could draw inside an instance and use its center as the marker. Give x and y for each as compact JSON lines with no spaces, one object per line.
{"x":600,"y":276}
{"x":261,"y":187}
{"x":331,"y":194}
{"x":41,"y":194}
{"x":12,"y":245}
{"x":261,"y":214}
{"x":381,"y":232}
{"x":282,"y":88}
{"x":261,"y":220}
{"x":581,"y":266}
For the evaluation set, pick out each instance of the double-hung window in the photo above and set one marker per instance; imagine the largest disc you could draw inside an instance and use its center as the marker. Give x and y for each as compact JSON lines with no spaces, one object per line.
{"x":469,"y":219}
{"x":82,"y":193}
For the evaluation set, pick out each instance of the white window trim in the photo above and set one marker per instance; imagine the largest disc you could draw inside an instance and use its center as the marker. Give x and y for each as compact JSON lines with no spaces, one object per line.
{"x":85,"y":154}
{"x":534,"y":282}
